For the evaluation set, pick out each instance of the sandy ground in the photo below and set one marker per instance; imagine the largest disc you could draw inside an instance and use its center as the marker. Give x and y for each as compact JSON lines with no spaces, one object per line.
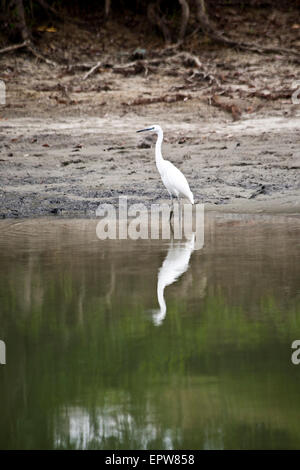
{"x":68,"y":144}
{"x":68,"y":166}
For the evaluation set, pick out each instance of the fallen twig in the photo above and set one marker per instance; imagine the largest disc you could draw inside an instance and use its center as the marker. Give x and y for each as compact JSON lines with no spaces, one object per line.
{"x":140,"y":66}
{"x":13,"y":48}
{"x":159,"y":99}
{"x":188,"y":59}
{"x":272,"y":95}
{"x":92,"y":70}
{"x":79,"y":66}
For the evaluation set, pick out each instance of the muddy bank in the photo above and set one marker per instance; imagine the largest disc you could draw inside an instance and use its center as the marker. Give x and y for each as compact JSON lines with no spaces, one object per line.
{"x":68,"y":141}
{"x":68,"y":166}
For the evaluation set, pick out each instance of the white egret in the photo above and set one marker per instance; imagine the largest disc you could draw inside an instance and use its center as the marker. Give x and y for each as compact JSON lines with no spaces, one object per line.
{"x":174,"y":181}
{"x":175,"y":264}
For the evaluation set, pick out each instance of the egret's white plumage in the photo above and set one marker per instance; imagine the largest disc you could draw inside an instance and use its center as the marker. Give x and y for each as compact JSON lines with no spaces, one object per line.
{"x":175,"y":264}
{"x":173,"y":179}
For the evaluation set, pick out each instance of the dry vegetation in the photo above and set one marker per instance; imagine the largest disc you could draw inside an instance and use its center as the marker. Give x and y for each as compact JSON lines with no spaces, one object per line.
{"x":191,"y":47}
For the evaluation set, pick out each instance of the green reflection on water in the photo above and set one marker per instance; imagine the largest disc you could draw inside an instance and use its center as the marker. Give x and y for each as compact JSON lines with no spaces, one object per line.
{"x":88,"y":368}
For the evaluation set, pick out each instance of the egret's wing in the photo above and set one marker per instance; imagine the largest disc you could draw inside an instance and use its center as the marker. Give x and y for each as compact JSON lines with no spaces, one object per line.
{"x":175,"y":264}
{"x":176,"y":179}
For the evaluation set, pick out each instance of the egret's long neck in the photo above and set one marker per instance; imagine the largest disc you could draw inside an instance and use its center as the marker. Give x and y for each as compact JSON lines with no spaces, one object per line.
{"x":160,"y":297}
{"x":158,"y":156}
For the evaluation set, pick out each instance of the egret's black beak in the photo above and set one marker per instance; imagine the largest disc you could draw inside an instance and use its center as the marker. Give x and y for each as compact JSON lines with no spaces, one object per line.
{"x":148,"y":129}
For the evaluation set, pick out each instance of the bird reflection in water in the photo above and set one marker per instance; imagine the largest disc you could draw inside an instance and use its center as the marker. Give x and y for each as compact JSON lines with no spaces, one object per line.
{"x":175,"y":264}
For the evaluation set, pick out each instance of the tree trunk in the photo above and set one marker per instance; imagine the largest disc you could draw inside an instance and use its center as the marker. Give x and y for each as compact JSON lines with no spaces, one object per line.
{"x":19,"y":13}
{"x":185,"y":9}
{"x":157,"y":20}
{"x":107,"y":8}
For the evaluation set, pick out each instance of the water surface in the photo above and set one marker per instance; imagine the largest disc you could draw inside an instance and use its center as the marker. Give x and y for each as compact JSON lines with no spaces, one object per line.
{"x":150,"y":344}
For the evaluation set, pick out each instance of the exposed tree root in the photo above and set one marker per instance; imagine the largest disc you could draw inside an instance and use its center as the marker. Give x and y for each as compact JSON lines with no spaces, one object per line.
{"x":13,"y":48}
{"x":156,"y":18}
{"x":172,"y":64}
{"x":210,"y":31}
{"x":31,"y":48}
{"x":40,"y":56}
{"x":21,"y":26}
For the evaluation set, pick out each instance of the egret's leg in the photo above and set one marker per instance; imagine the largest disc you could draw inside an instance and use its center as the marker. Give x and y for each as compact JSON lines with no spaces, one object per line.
{"x":172,"y":208}
{"x":179,"y":206}
{"x":172,"y":228}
